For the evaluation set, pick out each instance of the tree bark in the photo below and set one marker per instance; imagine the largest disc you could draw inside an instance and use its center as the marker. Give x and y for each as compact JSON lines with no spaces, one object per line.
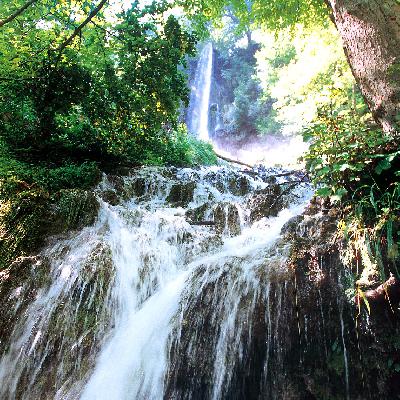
{"x":370,"y":31}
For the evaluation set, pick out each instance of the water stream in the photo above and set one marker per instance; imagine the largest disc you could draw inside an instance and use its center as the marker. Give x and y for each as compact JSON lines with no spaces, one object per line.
{"x":180,"y":289}
{"x":149,"y":295}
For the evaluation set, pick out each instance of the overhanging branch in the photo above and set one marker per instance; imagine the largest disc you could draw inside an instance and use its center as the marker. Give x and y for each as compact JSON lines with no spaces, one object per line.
{"x":17,"y":13}
{"x":78,"y":29}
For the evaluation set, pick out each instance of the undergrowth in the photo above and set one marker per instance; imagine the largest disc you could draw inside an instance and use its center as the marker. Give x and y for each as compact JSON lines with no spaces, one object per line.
{"x":356,"y":165}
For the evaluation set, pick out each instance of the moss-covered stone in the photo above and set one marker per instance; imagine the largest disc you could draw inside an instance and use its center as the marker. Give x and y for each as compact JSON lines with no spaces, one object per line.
{"x":22,"y":227}
{"x":72,"y":209}
{"x":181,"y":194}
{"x":29,"y":217}
{"x":266,"y":202}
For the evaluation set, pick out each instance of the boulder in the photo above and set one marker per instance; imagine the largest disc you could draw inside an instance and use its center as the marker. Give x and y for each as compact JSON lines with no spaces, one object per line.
{"x":181,"y":194}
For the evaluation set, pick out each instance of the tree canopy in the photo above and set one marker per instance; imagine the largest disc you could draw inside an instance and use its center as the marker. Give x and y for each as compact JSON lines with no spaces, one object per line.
{"x":85,"y":81}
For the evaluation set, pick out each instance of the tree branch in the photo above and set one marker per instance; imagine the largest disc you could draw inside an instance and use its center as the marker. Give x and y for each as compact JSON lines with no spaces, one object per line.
{"x":78,"y":29}
{"x":17,"y":13}
{"x":232,"y":161}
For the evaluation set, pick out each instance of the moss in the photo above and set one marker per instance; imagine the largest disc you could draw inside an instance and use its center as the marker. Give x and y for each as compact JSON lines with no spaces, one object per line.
{"x":73,"y":209}
{"x":21,"y":225}
{"x":28,"y":217}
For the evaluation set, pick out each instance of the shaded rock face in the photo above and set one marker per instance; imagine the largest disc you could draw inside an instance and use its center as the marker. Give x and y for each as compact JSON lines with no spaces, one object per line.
{"x":67,"y":315}
{"x":266,"y":203}
{"x":181,"y":194}
{"x":19,"y":284}
{"x":341,"y":352}
{"x":302,"y":337}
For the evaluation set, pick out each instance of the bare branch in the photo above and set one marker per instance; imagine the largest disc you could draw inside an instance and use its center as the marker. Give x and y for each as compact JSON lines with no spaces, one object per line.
{"x":233,"y":161}
{"x":17,"y":13}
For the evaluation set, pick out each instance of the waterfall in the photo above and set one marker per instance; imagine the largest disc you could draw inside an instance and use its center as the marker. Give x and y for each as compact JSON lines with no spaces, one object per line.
{"x":162,"y":296}
{"x":200,"y":95}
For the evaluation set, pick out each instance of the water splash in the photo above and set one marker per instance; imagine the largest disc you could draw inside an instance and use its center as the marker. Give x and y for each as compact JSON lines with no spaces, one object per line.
{"x":124,"y":307}
{"x":200,"y":95}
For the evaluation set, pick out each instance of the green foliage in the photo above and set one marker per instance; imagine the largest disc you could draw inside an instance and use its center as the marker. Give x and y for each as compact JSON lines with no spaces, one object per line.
{"x":274,"y":14}
{"x":178,"y":148}
{"x":111,"y":93}
{"x":357,"y":165}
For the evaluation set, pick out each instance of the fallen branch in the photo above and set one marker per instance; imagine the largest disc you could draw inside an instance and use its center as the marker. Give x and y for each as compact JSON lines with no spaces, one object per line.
{"x":202,"y":223}
{"x":289,"y":182}
{"x":233,"y":161}
{"x":289,"y":173}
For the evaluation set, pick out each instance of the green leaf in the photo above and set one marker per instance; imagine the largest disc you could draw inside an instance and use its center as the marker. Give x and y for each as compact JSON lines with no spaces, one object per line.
{"x":324,"y":191}
{"x":383,"y":165}
{"x":338,"y":195}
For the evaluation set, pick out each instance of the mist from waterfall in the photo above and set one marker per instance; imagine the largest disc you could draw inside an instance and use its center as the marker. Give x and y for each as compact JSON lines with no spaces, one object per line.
{"x":197,"y":119}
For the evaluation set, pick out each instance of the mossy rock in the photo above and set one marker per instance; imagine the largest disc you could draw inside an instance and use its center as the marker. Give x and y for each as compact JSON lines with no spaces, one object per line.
{"x":29,"y":217}
{"x":73,"y":209}
{"x":19,"y":284}
{"x":239,"y":186}
{"x":227,"y":219}
{"x":266,"y":203}
{"x":197,"y":214}
{"x":110,"y":197}
{"x":22,"y":226}
{"x":181,"y":194}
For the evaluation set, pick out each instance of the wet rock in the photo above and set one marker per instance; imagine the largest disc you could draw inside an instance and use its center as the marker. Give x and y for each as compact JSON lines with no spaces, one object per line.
{"x":19,"y":284}
{"x":239,"y":186}
{"x":266,"y":203}
{"x":73,"y":209}
{"x":110,"y":197}
{"x":337,"y":344}
{"x":22,"y":225}
{"x":227,"y":219}
{"x":181,"y":194}
{"x":117,"y":182}
{"x":197,"y":214}
{"x":291,"y":227}
{"x":135,"y":188}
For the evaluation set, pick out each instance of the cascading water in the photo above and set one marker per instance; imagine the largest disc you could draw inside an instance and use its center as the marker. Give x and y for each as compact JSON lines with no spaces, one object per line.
{"x":197,"y":118}
{"x":162,"y":296}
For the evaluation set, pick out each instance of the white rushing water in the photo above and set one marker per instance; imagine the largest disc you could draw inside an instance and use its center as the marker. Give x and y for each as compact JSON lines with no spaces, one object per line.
{"x":200,"y":95}
{"x":138,"y":272}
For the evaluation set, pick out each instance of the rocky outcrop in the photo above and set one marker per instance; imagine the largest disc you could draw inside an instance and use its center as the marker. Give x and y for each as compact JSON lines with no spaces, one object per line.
{"x":345,"y":353}
{"x":227,"y":219}
{"x":181,"y":194}
{"x":266,"y":202}
{"x":27,"y":219}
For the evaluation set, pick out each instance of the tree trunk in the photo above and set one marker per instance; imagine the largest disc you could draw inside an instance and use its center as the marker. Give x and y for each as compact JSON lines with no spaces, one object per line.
{"x":370,"y":31}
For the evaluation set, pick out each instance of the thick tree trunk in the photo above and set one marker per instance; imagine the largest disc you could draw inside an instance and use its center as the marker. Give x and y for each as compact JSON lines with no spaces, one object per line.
{"x":370,"y":30}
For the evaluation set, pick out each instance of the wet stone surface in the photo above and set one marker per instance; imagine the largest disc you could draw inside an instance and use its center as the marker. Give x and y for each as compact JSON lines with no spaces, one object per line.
{"x":182,"y":257}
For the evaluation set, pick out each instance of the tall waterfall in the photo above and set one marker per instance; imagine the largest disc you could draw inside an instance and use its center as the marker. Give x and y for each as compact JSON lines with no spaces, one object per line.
{"x":200,"y":95}
{"x":161,"y":297}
